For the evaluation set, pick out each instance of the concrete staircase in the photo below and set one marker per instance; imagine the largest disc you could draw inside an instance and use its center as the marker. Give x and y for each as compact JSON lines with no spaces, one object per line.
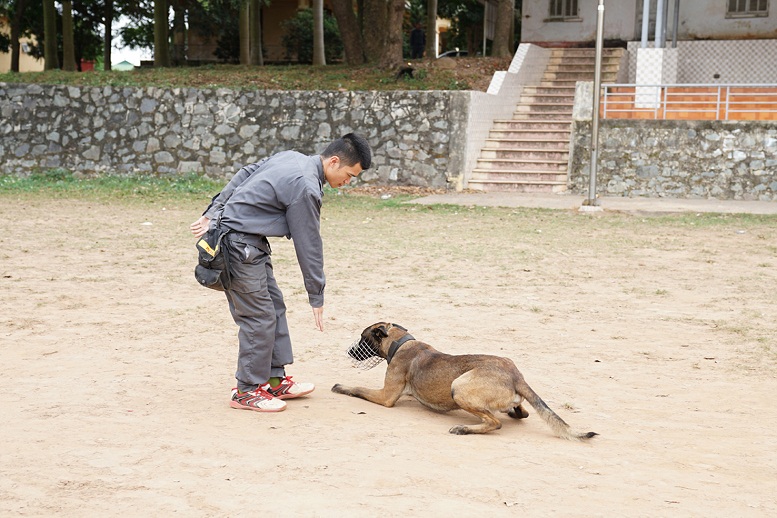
{"x":530,"y":151}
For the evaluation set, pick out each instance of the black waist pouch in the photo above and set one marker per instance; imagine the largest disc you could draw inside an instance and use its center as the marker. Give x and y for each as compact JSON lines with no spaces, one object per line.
{"x":212,"y":270}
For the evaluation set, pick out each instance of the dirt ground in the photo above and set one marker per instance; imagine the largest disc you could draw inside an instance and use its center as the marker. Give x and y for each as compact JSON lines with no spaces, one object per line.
{"x":659,"y":333}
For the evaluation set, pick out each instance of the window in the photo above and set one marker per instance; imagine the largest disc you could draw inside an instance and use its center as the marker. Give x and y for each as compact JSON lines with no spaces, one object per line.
{"x":748,"y":8}
{"x":562,"y":9}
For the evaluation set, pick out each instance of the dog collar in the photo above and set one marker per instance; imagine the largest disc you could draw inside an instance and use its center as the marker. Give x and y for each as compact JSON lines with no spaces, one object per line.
{"x":396,"y":344}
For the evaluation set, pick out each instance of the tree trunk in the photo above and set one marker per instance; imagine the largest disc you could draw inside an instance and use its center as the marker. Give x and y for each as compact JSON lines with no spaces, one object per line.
{"x":376,"y":11}
{"x":350,"y":32}
{"x":50,"y":59}
{"x":431,"y":29}
{"x":391,"y":57}
{"x":319,"y":58}
{"x":179,"y":33}
{"x":161,"y":34}
{"x":255,"y":12}
{"x":16,"y":23}
{"x":107,"y":34}
{"x":68,"y":44}
{"x":503,"y":44}
{"x":245,"y":32}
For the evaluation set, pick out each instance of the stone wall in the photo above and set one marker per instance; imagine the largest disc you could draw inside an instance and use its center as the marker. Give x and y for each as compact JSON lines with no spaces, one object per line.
{"x":417,"y":137}
{"x":680,"y":159}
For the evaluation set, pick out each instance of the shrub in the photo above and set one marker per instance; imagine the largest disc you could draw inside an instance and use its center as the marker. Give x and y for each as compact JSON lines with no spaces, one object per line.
{"x":298,"y":38}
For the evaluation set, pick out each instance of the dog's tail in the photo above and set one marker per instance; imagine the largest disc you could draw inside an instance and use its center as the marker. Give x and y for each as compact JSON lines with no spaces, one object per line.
{"x":559,"y":427}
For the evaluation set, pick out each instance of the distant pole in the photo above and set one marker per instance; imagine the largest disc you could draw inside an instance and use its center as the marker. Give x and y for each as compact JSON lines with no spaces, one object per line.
{"x":659,"y":23}
{"x":597,"y":90}
{"x":674,"y":23}
{"x":645,"y":22}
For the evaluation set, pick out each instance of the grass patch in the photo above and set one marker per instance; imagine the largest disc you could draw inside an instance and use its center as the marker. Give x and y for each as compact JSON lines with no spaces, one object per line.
{"x":468,"y":74}
{"x":63,"y":183}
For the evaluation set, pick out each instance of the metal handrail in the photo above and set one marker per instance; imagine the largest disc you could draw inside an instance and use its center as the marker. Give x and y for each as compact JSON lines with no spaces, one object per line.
{"x":672,"y":101}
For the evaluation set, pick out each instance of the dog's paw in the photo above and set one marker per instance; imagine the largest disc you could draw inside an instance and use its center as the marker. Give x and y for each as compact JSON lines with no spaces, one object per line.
{"x":460,"y":430}
{"x":338,"y":389}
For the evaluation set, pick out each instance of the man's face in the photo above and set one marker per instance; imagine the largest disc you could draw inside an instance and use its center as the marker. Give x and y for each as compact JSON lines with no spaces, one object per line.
{"x":338,"y":174}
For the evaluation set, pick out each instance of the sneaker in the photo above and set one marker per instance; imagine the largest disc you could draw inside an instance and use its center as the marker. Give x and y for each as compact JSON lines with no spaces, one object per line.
{"x":289,"y":389}
{"x":259,"y":400}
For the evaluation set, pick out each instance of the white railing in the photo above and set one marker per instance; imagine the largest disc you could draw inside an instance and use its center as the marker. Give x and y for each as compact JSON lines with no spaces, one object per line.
{"x":689,"y":101}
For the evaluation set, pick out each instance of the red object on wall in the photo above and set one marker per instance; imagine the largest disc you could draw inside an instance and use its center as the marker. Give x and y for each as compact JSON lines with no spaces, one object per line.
{"x":86,"y":66}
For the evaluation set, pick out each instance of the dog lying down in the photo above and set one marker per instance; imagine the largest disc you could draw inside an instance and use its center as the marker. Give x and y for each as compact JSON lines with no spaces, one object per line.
{"x":481,"y":384}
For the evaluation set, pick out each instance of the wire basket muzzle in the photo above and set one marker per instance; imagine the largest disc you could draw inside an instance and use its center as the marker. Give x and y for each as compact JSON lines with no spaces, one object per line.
{"x":363,"y":355}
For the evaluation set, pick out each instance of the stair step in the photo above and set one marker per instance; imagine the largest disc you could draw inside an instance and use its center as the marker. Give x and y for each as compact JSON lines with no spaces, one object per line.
{"x":517,"y":135}
{"x":582,"y":68}
{"x":519,"y":175}
{"x":532,"y":153}
{"x":567,"y":95}
{"x":502,"y":165}
{"x":530,"y":145}
{"x":546,"y":116}
{"x":513,"y":186}
{"x":552,"y":125}
{"x":570,"y":51}
{"x":554,"y":107}
{"x":561,"y":89}
{"x":518,"y":155}
{"x":582,"y":60}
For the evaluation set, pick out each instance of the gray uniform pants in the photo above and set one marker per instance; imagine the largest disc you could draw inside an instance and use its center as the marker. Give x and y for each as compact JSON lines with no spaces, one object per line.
{"x":257,"y":306}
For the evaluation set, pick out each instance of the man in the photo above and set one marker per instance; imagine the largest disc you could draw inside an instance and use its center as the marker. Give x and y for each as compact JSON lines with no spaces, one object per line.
{"x":417,"y":42}
{"x":279,"y":196}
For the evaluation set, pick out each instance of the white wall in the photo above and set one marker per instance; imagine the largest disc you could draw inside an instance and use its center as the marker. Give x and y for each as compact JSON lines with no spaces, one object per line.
{"x":698,"y":19}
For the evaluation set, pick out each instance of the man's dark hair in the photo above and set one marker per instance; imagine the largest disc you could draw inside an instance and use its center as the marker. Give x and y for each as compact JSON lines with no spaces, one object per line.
{"x":351,"y":148}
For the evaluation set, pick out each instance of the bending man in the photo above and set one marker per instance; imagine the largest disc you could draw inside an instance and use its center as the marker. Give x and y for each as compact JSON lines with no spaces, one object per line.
{"x":279,"y":196}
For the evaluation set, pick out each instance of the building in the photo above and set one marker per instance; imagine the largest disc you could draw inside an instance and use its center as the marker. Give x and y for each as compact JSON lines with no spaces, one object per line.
{"x":27,"y":63}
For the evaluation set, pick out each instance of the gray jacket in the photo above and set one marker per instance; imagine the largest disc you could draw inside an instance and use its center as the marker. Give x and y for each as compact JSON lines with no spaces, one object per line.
{"x":280,"y":196}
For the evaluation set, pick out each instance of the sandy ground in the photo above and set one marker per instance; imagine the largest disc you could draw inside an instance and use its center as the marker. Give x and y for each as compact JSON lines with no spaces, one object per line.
{"x":657,"y":333}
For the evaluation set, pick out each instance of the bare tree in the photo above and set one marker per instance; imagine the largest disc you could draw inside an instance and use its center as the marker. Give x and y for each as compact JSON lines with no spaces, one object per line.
{"x":391,"y":56}
{"x":350,"y":32}
{"x":244,"y":26}
{"x":431,"y":29}
{"x":107,"y":34}
{"x":503,"y":29}
{"x":179,"y":33}
{"x":384,"y":44}
{"x":68,"y":44}
{"x":16,"y":31}
{"x":161,"y":34}
{"x":318,"y":33}
{"x":50,"y":59}
{"x":255,"y":29}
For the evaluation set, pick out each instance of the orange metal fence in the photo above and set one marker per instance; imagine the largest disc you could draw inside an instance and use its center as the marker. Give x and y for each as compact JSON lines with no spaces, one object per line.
{"x":689,"y":102}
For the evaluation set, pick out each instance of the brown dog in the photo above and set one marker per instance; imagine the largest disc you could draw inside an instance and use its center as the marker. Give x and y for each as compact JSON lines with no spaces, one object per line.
{"x":481,"y":384}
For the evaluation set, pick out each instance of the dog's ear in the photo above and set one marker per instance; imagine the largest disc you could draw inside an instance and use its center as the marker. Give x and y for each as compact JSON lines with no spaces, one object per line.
{"x":380,"y":332}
